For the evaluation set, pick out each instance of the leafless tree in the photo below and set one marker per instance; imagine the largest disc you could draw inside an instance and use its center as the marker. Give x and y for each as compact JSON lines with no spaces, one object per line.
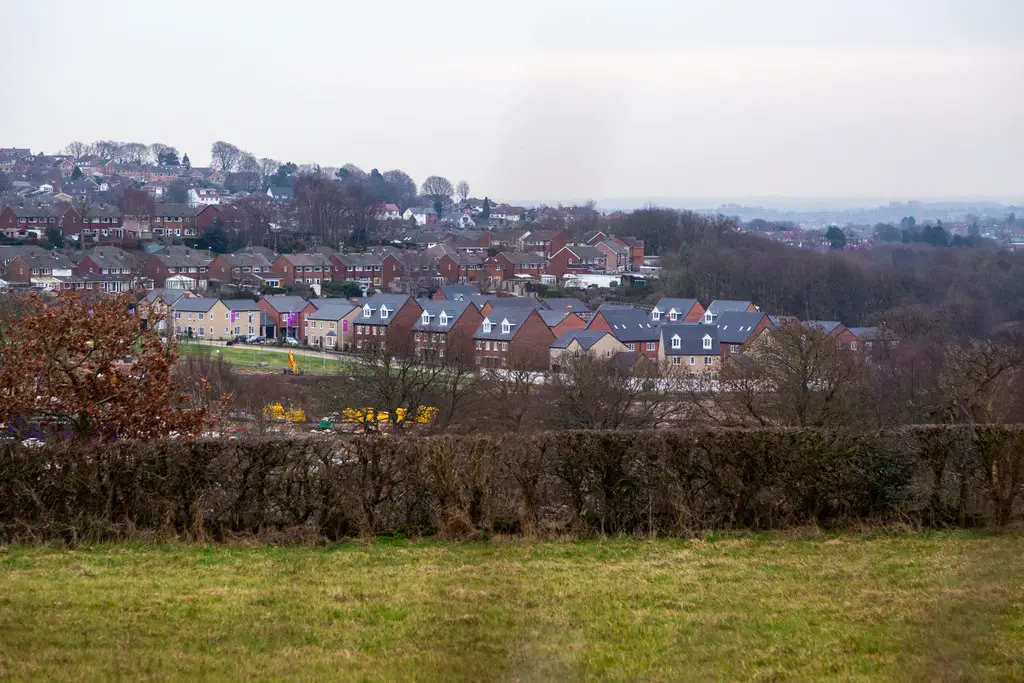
{"x":248,"y":164}
{"x":107,"y":149}
{"x":134,"y":153}
{"x":77,"y":150}
{"x":267,"y":168}
{"x":225,"y":156}
{"x":401,"y":187}
{"x":438,"y":189}
{"x":981,"y":381}
{"x":510,"y":395}
{"x":463,"y":190}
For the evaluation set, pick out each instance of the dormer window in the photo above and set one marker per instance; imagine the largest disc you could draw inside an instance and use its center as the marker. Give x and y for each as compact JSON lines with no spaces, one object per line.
{"x":655,"y":314}
{"x":425,"y":318}
{"x":709,"y":317}
{"x":506,"y":327}
{"x":384,"y":312}
{"x":672,"y":315}
{"x":487,"y":326}
{"x":367,"y":311}
{"x":676,"y":342}
{"x":707,"y":341}
{"x":443,"y":319}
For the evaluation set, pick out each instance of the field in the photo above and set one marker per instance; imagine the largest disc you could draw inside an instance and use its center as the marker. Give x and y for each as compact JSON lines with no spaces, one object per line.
{"x":267,"y":359}
{"x":921,"y":607}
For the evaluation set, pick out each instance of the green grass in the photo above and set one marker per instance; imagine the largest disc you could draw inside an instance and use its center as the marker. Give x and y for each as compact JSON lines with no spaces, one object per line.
{"x":919,"y":607}
{"x":252,"y":357}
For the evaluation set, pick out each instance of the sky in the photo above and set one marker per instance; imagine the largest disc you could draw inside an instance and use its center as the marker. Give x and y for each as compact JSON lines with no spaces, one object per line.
{"x":546,"y":100}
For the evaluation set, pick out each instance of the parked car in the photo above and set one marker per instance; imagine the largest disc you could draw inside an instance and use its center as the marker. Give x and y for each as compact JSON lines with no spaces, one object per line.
{"x":290,"y":341}
{"x":255,"y":339}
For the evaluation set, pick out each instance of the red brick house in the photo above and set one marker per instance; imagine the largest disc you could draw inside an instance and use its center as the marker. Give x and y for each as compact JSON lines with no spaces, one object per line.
{"x":444,"y":330}
{"x":738,"y":329}
{"x":833,"y":329}
{"x":374,"y":269}
{"x":670,"y":310}
{"x":506,"y":265}
{"x":546,"y":242}
{"x":386,"y":318}
{"x":631,"y":326}
{"x":461,"y":267}
{"x":561,"y":322}
{"x":311,"y":268}
{"x":240,"y":266}
{"x":178,"y":267}
{"x":28,"y":221}
{"x":577,"y":258}
{"x":513,"y":338}
{"x":286,"y":316}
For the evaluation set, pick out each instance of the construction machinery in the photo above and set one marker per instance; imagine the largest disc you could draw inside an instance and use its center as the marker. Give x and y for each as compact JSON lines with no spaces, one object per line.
{"x":293,"y":367}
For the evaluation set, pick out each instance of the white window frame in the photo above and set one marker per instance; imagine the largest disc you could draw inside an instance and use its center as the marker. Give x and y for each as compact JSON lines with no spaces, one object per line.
{"x":677,"y":343}
{"x":707,"y":341}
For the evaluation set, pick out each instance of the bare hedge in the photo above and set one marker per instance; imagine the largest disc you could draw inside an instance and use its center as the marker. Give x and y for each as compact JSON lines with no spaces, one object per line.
{"x":328,"y":488}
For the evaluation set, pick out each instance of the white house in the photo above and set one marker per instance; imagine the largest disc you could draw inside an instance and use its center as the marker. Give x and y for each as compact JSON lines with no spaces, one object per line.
{"x":389,"y":212}
{"x":203,"y":196}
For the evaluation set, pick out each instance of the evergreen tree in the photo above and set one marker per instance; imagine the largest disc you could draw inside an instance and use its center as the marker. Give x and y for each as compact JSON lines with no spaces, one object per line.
{"x":836,"y":237}
{"x":76,"y":174}
{"x":487,"y":209}
{"x":186,"y":162}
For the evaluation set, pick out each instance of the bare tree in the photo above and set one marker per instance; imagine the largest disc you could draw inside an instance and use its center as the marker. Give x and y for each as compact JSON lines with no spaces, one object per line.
{"x":224,"y":156}
{"x":77,"y":150}
{"x":509,"y":395}
{"x":134,"y":153}
{"x":981,"y":381}
{"x":107,"y":149}
{"x":462,"y":189}
{"x":401,"y":188}
{"x":267,"y":168}
{"x":248,"y":164}
{"x":438,"y":189}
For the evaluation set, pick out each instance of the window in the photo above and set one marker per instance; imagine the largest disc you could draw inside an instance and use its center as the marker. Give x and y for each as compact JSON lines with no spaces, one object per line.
{"x":676,"y":341}
{"x":201,"y":315}
{"x":418,"y":338}
{"x":367,"y":311}
{"x":853,"y":346}
{"x":487,"y":346}
{"x":734,"y":348}
{"x":867,"y":345}
{"x":672,"y":315}
{"x":332,"y":324}
{"x":504,"y":346}
{"x":709,"y":317}
{"x":708,"y":360}
{"x":487,"y":326}
{"x":201,"y":331}
{"x":631,"y":347}
{"x":251,"y":330}
{"x":384,"y":312}
{"x":651,"y":346}
{"x":443,"y":319}
{"x":227,"y":316}
{"x":425,"y":318}
{"x":707,"y":341}
{"x":655,"y":314}
{"x":675,"y":360}
{"x":693,"y":361}
{"x":479,"y":345}
{"x":506,"y":328}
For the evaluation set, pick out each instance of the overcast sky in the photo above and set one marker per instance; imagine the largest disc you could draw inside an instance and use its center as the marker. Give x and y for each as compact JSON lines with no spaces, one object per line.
{"x":546,"y":100}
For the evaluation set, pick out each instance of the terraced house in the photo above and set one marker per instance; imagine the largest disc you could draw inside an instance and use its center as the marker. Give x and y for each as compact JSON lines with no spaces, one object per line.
{"x":178,"y":267}
{"x":310,"y":269}
{"x":332,"y":325}
{"x":201,"y":318}
{"x":444,"y":329}
{"x":514,"y":337}
{"x":385,"y":318}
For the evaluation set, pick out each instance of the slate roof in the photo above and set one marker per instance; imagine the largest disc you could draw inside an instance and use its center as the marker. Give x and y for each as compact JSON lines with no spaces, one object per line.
{"x":286,"y":304}
{"x":735,"y":327}
{"x":872,"y":333}
{"x":167,"y":210}
{"x":526,"y":303}
{"x":361,"y":259}
{"x":691,"y":340}
{"x":681,"y":306}
{"x":109,"y":257}
{"x":565,"y":304}
{"x":393,"y":302}
{"x":239,"y":305}
{"x":826,"y":326}
{"x":516,"y":316}
{"x":332,"y":311}
{"x":585,"y":338}
{"x":457,"y":292}
{"x":178,"y":256}
{"x":433,"y":308}
{"x":719,"y":306}
{"x":302,"y":260}
{"x":168,"y":296}
{"x":631,"y":324}
{"x":201,"y":305}
{"x":281,"y":193}
{"x":523,"y":258}
{"x":552,"y":318}
{"x":246,"y":259}
{"x":586,"y":252}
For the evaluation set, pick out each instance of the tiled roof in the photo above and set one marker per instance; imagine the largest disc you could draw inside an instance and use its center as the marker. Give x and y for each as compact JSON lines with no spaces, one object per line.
{"x":516,"y":317}
{"x":374,"y":305}
{"x":201,"y":305}
{"x":570,"y":304}
{"x":691,"y":340}
{"x":735,"y":327}
{"x":433,"y":308}
{"x":286,"y":304}
{"x":585,"y":338}
{"x":631,"y":324}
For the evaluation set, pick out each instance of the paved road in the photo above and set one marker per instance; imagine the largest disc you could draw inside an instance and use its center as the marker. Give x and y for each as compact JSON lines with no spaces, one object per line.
{"x":297,"y":350}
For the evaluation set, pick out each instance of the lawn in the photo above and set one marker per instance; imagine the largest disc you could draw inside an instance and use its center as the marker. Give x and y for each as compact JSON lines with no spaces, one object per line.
{"x":270,"y":360}
{"x":919,"y":607}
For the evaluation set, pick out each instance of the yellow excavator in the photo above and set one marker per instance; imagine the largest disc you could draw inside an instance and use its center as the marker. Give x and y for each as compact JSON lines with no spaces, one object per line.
{"x":293,"y":367}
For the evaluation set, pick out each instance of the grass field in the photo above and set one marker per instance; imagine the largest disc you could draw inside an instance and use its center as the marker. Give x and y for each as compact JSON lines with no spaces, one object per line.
{"x":922,"y":607}
{"x":253,"y":357}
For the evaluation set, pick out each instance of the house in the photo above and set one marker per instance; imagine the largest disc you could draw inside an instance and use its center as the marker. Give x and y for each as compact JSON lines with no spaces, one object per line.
{"x":719,"y":306}
{"x":26,"y":264}
{"x":385,"y":317}
{"x":286,"y":316}
{"x":31,"y":221}
{"x":867,"y":339}
{"x":110,"y":261}
{"x":592,"y":238}
{"x":203,"y":196}
{"x":631,"y":326}
{"x":569,"y":305}
{"x":180,"y":220}
{"x":513,"y":337}
{"x":512,"y":265}
{"x":201,"y":318}
{"x":389,"y":212}
{"x":310,"y":269}
{"x":423,"y":215}
{"x":677,"y":310}
{"x":737,"y":329}
{"x":487,"y":303}
{"x":544,"y":242}
{"x":617,"y":253}
{"x":600,"y":344}
{"x":691,"y":348}
{"x":242,"y":266}
{"x":103,"y":224}
{"x":178,"y":267}
{"x":833,"y":329}
{"x":636,"y":252}
{"x":562,"y":322}
{"x":504,"y":212}
{"x":373,"y":269}
{"x":459,"y":267}
{"x":155,"y":308}
{"x":332,"y":325}
{"x":577,"y":258}
{"x":456,"y":292}
{"x":280,"y":194}
{"x":246,"y":317}
{"x":444,"y":330}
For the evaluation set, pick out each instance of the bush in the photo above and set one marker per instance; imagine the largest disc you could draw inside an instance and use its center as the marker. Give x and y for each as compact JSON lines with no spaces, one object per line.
{"x":584,"y":482}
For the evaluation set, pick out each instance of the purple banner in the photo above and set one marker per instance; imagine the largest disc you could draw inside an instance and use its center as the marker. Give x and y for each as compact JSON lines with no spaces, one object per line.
{"x":344,"y":326}
{"x":292,"y":319}
{"x":233,"y":315}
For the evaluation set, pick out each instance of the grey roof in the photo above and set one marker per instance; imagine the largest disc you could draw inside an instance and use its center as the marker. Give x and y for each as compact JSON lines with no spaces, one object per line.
{"x":361,"y":259}
{"x":459,"y":292}
{"x":516,"y":316}
{"x":872,"y":333}
{"x":241,"y":304}
{"x":109,"y":257}
{"x":433,"y":308}
{"x":283,"y":193}
{"x":691,"y":340}
{"x":735,"y":327}
{"x":336,"y":310}
{"x":511,"y":302}
{"x":247,"y":258}
{"x":552,"y":318}
{"x":719,"y":306}
{"x":585,"y":338}
{"x":523,"y":258}
{"x":178,"y":256}
{"x":585,"y":251}
{"x":566,"y":304}
{"x":682,"y":306}
{"x":168,"y":296}
{"x":286,"y":304}
{"x":195,"y":305}
{"x":608,"y":306}
{"x":372,"y":305}
{"x":826,"y":326}
{"x":168,"y":210}
{"x":630,"y":324}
